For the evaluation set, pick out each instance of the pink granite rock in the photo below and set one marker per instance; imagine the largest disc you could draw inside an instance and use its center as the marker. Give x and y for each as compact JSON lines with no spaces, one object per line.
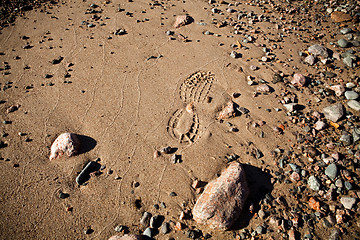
{"x":126,"y":237}
{"x":320,"y":125}
{"x":263,"y":88}
{"x":65,"y":143}
{"x":338,"y":89}
{"x":222,"y":201}
{"x":182,"y":20}
{"x":298,"y":79}
{"x":310,"y":60}
{"x":228,"y":111}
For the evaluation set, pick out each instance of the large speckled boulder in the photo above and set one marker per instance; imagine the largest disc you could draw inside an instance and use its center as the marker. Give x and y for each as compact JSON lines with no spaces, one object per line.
{"x":222,"y":201}
{"x":65,"y":143}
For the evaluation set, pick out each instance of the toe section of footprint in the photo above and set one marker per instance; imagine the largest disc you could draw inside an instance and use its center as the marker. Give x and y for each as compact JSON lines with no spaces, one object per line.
{"x":196,"y":87}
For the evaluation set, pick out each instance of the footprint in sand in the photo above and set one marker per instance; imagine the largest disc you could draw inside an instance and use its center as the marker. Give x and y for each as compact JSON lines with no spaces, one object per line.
{"x":184,"y":126}
{"x":196,"y":88}
{"x":205,"y":98}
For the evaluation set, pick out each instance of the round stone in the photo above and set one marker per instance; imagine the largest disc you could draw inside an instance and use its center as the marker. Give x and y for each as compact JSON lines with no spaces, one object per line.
{"x":343,"y":43}
{"x":351,"y":95}
{"x":348,"y":202}
{"x":349,"y":61}
{"x":350,"y":85}
{"x":354,"y":105}
{"x":331,"y":171}
{"x":348,"y":185}
{"x":314,"y":183}
{"x":345,"y":30}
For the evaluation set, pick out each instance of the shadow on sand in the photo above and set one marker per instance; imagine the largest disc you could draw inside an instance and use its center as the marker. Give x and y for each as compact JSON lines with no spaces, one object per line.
{"x":259,"y":185}
{"x":87,"y":143}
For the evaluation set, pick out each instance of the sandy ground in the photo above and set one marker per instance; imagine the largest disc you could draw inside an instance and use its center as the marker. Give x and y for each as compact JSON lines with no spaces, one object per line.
{"x":127,"y":105}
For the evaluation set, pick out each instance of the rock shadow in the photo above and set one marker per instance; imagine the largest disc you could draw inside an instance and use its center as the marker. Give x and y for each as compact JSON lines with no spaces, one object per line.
{"x":259,"y":186}
{"x":86,"y":143}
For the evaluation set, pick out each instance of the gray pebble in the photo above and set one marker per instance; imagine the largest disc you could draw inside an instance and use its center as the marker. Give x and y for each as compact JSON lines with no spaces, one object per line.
{"x":169,"y":33}
{"x":351,"y":95}
{"x":155,"y":221}
{"x":354,"y":105}
{"x":356,"y":134}
{"x":250,"y":82}
{"x":346,"y":138}
{"x":253,"y":67}
{"x":234,"y":54}
{"x":201,"y":23}
{"x":318,"y":50}
{"x":290,"y":107}
{"x":295,"y":167}
{"x":261,"y":214}
{"x":339,"y":183}
{"x":331,"y":171}
{"x":260,"y":230}
{"x":355,"y":43}
{"x":145,"y":219}
{"x":63,"y":195}
{"x":335,"y":234}
{"x":314,"y":183}
{"x":349,"y":61}
{"x":343,"y":43}
{"x":148,"y":232}
{"x":345,"y":30}
{"x":165,"y":228}
{"x":334,"y":112}
{"x":176,"y":158}
{"x":348,"y":186}
{"x":348,"y":202}
{"x":350,"y":85}
{"x":119,"y":228}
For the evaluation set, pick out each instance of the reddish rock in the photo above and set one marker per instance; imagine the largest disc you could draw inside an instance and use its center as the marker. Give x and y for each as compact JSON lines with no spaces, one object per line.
{"x":179,"y":226}
{"x":263,"y":88}
{"x":228,"y":111}
{"x":320,"y":125}
{"x":338,"y":89}
{"x":298,"y":79}
{"x":292,"y":234}
{"x":223,"y":199}
{"x":295,"y":177}
{"x":314,"y":204}
{"x":182,"y":20}
{"x":65,"y":143}
{"x":126,"y":237}
{"x":340,"y":17}
{"x":310,"y":60}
